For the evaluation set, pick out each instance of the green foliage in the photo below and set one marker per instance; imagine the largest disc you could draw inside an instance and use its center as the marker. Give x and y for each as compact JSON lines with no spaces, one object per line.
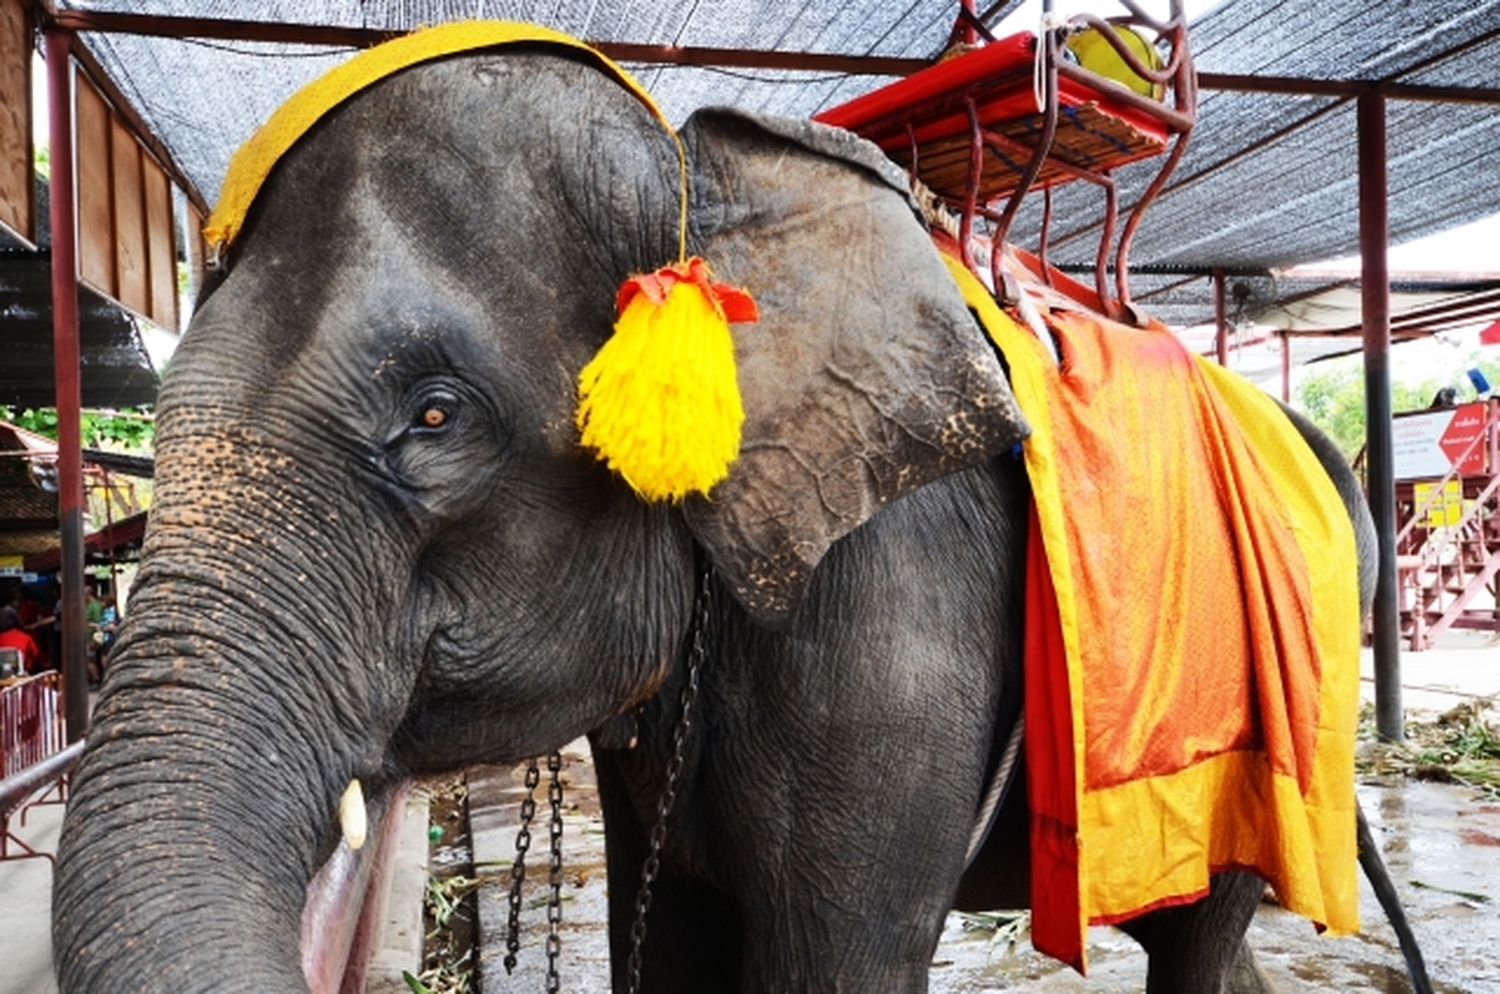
{"x":445,"y":898}
{"x":417,"y":987}
{"x":131,"y":430}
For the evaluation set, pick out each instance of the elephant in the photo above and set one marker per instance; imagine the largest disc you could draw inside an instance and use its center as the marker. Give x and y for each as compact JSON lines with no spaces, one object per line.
{"x":377,"y":550}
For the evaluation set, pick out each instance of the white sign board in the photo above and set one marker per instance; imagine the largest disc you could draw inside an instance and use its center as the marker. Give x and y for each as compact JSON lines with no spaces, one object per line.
{"x":1426,"y":444}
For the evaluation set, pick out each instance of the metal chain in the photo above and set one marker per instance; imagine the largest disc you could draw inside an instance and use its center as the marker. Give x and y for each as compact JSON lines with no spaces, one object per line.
{"x":697,"y":654}
{"x":554,"y":876}
{"x":518,"y":867}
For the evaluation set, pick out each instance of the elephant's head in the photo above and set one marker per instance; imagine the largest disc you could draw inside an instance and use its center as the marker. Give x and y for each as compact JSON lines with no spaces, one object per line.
{"x":377,"y":546}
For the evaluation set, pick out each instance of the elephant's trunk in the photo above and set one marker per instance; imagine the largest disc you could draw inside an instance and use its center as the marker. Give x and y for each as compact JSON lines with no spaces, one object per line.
{"x":208,"y":794}
{"x":198,"y":891}
{"x":190,"y":838}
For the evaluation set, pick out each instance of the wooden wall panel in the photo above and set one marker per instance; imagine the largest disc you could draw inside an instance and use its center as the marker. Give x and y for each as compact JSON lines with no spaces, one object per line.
{"x":96,"y":235}
{"x":16,"y":199}
{"x":132,"y":279}
{"x":126,"y":239}
{"x":161,"y":256}
{"x":197,"y":251}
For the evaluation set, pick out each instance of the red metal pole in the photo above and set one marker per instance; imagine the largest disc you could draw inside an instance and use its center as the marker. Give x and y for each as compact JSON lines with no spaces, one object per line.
{"x":1221,"y":319}
{"x":1493,"y":408}
{"x":1380,"y":479}
{"x":1286,"y":368}
{"x":66,"y":370}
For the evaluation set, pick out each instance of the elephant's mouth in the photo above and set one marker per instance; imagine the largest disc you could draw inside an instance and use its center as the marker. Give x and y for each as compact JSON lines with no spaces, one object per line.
{"x":347,"y":889}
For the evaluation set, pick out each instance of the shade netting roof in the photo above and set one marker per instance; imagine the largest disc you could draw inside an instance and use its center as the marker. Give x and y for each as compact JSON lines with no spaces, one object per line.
{"x":1269,"y":180}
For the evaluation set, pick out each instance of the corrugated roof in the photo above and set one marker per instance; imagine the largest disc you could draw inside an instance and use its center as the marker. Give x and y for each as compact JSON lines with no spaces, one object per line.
{"x":1268,"y":180}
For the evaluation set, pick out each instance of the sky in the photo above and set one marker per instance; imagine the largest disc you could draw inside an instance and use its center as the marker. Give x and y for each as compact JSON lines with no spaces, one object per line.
{"x":1027,"y":16}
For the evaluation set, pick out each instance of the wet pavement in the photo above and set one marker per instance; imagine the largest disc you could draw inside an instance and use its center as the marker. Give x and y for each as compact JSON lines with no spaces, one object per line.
{"x":494,"y":800}
{"x":1440,"y":846}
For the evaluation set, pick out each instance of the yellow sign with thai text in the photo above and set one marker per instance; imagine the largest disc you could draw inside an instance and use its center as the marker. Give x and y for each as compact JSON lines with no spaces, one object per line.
{"x":1445,"y":508}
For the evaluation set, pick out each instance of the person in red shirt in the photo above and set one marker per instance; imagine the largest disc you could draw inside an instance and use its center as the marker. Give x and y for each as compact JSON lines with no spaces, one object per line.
{"x":13,"y":637}
{"x":38,"y":624}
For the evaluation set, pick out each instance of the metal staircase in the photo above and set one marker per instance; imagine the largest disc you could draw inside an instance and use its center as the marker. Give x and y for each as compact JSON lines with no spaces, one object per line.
{"x":1448,"y":543}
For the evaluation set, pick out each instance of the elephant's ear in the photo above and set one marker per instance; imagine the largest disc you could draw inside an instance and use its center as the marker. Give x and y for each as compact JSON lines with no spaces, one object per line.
{"x":866,"y":376}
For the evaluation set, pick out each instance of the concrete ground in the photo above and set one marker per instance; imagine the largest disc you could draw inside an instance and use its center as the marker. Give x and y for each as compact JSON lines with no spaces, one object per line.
{"x":1465,"y":665}
{"x":26,"y":906}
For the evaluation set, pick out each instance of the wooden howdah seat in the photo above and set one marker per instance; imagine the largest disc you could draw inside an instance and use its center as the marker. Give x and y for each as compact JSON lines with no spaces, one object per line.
{"x":996,"y":118}
{"x":925,"y":117}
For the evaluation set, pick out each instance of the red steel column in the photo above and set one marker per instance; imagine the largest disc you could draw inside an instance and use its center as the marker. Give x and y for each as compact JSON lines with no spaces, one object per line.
{"x":1286,"y":367}
{"x":1380,"y":479}
{"x":65,"y":361}
{"x":1221,"y":319}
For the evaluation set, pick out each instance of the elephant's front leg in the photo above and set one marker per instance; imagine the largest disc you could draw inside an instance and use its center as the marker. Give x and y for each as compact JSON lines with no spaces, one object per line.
{"x":693,"y":934}
{"x":844,"y":760}
{"x":814,"y":876}
{"x":1198,"y":948}
{"x":856,"y":895}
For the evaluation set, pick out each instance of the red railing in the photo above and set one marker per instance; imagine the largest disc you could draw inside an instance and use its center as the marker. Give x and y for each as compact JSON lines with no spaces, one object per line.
{"x":33,"y":762}
{"x":30,"y":725}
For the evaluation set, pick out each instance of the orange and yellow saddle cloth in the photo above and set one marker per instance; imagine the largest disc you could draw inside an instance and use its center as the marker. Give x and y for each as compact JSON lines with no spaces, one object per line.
{"x":1192,"y":644}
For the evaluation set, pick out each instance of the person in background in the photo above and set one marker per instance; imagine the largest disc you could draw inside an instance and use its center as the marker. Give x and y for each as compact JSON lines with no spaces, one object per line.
{"x":93,"y":607}
{"x":38,"y":624}
{"x":102,"y":639}
{"x":13,"y":637}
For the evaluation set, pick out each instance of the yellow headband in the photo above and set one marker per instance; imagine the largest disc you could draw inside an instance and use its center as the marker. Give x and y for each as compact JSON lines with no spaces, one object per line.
{"x":255,"y":159}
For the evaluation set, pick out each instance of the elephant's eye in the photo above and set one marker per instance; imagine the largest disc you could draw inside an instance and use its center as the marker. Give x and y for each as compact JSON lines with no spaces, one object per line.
{"x":434,"y":414}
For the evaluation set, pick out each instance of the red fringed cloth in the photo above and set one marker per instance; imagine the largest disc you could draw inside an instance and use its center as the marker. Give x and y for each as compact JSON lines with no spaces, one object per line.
{"x":1192,"y":641}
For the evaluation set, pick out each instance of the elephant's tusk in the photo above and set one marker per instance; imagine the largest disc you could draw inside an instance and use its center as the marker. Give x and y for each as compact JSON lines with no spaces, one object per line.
{"x":352,"y":818}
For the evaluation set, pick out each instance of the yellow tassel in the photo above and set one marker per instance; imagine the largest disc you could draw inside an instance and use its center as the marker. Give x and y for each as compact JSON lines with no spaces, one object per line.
{"x":660,"y":403}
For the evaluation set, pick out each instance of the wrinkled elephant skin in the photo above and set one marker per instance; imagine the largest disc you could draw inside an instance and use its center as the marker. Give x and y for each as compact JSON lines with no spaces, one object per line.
{"x":377,"y":549}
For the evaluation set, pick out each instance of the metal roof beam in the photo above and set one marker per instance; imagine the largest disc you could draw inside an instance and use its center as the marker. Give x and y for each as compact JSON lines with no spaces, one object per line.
{"x":222,"y":29}
{"x":744,"y":58}
{"x":1165,"y":269}
{"x":1345,"y":88}
{"x":1446,"y":316}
